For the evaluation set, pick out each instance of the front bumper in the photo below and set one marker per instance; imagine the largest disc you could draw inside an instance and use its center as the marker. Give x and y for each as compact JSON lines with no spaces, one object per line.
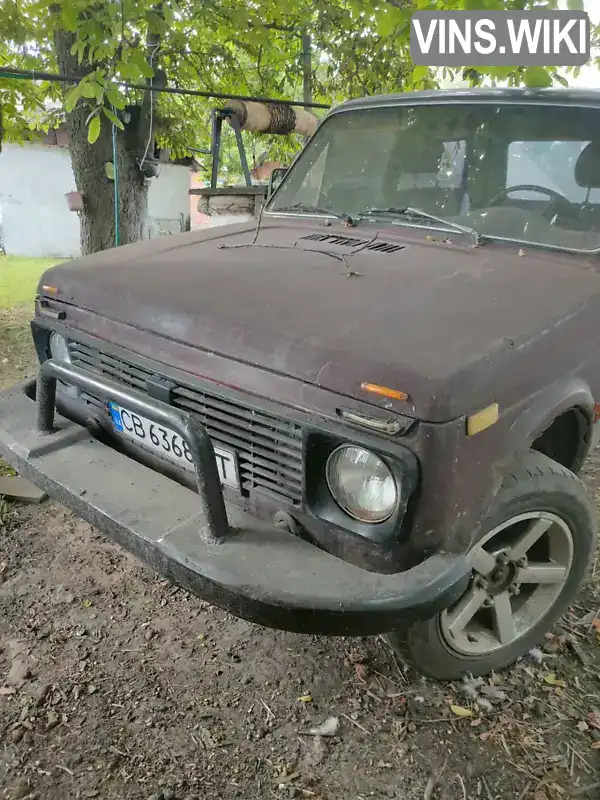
{"x":194,"y":539}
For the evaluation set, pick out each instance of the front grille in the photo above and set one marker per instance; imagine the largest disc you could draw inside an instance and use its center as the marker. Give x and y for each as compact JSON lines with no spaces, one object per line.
{"x":268,"y":448}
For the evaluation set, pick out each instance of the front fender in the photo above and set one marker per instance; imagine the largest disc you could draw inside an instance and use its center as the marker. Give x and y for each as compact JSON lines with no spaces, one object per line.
{"x":545,"y":407}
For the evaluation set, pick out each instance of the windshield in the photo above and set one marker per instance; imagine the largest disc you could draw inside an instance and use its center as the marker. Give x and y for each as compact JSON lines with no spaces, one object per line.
{"x":528,"y":173}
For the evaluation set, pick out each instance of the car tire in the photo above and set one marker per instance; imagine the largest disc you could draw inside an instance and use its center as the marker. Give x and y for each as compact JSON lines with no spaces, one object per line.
{"x":537,"y":486}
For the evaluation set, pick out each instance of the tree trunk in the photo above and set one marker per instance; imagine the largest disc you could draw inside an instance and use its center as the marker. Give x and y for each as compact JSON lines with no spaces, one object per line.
{"x":89,"y":168}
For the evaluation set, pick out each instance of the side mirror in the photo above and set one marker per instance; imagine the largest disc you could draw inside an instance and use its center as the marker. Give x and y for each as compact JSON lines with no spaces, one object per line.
{"x":275,"y":179}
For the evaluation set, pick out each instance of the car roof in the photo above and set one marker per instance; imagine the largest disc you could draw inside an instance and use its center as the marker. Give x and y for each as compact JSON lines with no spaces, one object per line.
{"x":558,"y":96}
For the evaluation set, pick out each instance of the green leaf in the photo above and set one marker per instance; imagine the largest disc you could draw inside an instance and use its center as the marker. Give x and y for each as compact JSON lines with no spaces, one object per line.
{"x":94,"y":129}
{"x":146,"y":70}
{"x":169,"y":17}
{"x":156,"y":23}
{"x":113,"y":118}
{"x":419,"y":73}
{"x":98,"y":91}
{"x":109,"y":168}
{"x":575,"y":5}
{"x":461,"y":711}
{"x":500,"y":73}
{"x":72,"y":98}
{"x":537,"y":77}
{"x":387,"y":22}
{"x":115,"y":98}
{"x":551,"y":678}
{"x":129,"y":70}
{"x":70,"y":17}
{"x":87,"y":89}
{"x":138,"y":58}
{"x":80,"y":50}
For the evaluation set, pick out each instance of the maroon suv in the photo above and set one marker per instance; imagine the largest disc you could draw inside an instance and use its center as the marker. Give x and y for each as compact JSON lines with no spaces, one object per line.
{"x":365,"y":413}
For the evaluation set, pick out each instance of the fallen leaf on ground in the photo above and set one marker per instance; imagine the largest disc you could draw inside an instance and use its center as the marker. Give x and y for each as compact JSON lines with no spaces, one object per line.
{"x":551,"y":678}
{"x":305,"y":698}
{"x":493,"y":692}
{"x":587,"y":619}
{"x":536,"y":654}
{"x":461,"y":711}
{"x":470,"y":686}
{"x":484,"y":704}
{"x":594,"y":719}
{"x":328,"y":728}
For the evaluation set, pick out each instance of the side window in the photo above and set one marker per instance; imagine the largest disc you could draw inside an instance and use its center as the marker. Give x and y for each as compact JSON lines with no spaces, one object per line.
{"x":547,"y":164}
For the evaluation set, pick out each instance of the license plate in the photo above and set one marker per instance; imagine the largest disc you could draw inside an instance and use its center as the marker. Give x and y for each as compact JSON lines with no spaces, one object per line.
{"x":169,"y":443}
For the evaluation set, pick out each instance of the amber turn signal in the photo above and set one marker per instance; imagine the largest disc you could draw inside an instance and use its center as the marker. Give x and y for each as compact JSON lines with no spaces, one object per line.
{"x":49,"y":289}
{"x":384,"y":391}
{"x":482,"y":419}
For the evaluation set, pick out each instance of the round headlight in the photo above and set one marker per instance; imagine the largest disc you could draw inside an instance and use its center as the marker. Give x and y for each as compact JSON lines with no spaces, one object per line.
{"x":59,"y":348}
{"x":60,"y":351}
{"x":361,"y":484}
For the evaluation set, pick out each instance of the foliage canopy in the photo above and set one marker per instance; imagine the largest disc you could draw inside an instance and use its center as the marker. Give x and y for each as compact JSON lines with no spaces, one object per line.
{"x":239,"y":47}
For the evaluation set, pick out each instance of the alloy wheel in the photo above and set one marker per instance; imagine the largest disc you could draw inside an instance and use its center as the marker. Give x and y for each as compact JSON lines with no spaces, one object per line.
{"x":519,"y":570}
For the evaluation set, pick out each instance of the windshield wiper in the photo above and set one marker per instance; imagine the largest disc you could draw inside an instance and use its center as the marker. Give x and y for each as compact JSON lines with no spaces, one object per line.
{"x":408,"y":211}
{"x":308,"y":208}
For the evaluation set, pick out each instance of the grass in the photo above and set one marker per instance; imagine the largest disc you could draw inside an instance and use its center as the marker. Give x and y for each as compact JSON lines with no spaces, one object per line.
{"x":18,"y":281}
{"x":19,"y":278}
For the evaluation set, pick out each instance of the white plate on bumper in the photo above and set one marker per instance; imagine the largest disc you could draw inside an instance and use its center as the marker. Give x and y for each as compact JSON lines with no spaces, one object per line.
{"x":169,"y":443}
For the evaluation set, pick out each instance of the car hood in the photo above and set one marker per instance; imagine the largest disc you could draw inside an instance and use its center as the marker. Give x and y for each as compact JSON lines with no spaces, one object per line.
{"x":339,"y":307}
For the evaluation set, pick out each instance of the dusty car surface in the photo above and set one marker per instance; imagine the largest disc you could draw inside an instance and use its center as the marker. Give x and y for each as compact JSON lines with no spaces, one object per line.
{"x":365,"y":414}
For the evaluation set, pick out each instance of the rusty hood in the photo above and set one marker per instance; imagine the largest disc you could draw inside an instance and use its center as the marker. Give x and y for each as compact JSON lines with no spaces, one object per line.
{"x":336,"y":307}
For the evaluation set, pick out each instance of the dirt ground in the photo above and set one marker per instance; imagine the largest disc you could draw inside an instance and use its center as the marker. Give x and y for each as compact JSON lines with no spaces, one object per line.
{"x":117,"y":685}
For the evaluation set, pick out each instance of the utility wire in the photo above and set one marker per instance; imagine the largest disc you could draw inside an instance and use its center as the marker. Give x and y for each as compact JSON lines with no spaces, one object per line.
{"x":116,"y":182}
{"x":151,"y":131}
{"x":35,"y":75}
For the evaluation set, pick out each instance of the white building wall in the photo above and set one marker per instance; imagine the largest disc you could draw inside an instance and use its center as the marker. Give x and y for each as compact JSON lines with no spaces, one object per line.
{"x":34,"y":216}
{"x":169,"y":199}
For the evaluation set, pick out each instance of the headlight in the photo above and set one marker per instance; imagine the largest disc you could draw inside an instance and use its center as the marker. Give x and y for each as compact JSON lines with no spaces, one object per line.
{"x":361,"y":484}
{"x":59,"y":348}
